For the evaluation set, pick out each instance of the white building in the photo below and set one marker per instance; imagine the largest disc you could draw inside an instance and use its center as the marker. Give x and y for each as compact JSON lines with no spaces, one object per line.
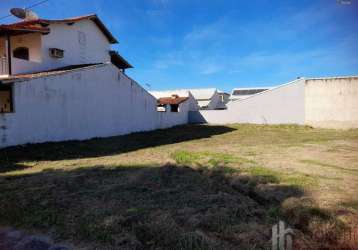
{"x":328,"y":102}
{"x":167,"y":97}
{"x":225,"y":98}
{"x":61,"y":81}
{"x":206,"y":99}
{"x":41,"y":44}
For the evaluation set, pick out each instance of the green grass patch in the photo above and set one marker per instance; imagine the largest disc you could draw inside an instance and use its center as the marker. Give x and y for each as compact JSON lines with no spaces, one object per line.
{"x":185,"y":157}
{"x":273,"y":176}
{"x":210,"y":159}
{"x":266,"y":174}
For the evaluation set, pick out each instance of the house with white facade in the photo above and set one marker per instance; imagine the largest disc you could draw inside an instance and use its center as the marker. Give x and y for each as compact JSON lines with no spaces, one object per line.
{"x":208,"y":99}
{"x":182,"y":96}
{"x":225,"y":98}
{"x":205,"y":99}
{"x":60,"y":80}
{"x":177,"y":104}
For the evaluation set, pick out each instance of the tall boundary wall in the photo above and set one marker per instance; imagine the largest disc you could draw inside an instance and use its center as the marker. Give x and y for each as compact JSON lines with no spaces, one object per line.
{"x":330,"y":102}
{"x":99,"y":101}
{"x":284,"y":104}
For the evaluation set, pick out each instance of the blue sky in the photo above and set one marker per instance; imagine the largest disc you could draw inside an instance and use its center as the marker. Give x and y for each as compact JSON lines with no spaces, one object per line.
{"x":222,"y":43}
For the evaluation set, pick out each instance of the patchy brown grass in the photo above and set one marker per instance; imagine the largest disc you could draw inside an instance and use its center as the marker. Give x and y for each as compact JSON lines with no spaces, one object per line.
{"x":190,"y":187}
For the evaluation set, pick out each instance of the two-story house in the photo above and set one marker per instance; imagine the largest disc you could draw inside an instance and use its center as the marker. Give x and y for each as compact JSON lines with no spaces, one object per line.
{"x":60,"y":80}
{"x":41,"y":44}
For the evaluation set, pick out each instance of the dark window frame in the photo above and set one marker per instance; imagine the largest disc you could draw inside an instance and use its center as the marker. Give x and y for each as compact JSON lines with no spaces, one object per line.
{"x":10,"y":89}
{"x":174,"y":108}
{"x":25,"y":55}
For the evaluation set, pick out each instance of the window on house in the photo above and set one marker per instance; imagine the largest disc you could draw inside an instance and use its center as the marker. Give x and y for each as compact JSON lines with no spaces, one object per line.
{"x":162,"y":108}
{"x":21,"y":53}
{"x":174,"y":107}
{"x":5,"y":99}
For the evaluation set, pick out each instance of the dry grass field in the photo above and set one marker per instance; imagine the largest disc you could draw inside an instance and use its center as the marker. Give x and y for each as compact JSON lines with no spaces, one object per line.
{"x":188,"y":187}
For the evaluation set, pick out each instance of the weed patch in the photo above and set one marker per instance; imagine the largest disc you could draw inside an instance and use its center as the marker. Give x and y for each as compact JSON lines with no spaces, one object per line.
{"x":211,"y":159}
{"x":271,"y":176}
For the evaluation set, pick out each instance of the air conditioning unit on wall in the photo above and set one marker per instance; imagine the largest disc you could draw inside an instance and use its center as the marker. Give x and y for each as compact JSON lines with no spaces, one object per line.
{"x":56,"y":53}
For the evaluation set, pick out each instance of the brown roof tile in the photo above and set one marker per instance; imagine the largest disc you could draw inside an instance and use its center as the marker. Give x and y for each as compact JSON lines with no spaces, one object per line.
{"x":41,"y":23}
{"x":22,"y":28}
{"x":172,"y":100}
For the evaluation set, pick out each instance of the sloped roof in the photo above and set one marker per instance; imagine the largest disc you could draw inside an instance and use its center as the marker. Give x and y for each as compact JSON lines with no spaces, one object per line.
{"x":58,"y":71}
{"x":168,"y":93}
{"x":20,"y":28}
{"x":119,"y":61}
{"x":42,"y":23}
{"x":203,"y":94}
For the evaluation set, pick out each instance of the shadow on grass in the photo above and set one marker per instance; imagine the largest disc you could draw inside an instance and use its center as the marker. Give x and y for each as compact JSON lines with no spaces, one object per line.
{"x":146,"y":207}
{"x":11,"y":157}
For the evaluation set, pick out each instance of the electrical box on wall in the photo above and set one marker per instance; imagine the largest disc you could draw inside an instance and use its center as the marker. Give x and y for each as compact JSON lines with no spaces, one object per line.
{"x":56,"y":53}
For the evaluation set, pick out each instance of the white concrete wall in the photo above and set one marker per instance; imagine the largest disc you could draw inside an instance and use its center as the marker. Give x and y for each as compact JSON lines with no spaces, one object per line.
{"x":83,"y":43}
{"x":34,"y":43}
{"x":20,"y":66}
{"x":168,"y":119}
{"x":193,"y":104}
{"x":95,"y":102}
{"x":332,"y":102}
{"x":92,"y":48}
{"x":215,"y":101}
{"x":284,"y":104}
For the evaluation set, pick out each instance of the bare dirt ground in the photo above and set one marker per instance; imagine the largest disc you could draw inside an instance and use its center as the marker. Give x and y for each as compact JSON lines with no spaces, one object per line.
{"x":189,"y":187}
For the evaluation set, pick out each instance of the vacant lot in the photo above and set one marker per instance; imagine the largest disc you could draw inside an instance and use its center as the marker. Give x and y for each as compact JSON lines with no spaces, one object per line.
{"x":190,"y":187}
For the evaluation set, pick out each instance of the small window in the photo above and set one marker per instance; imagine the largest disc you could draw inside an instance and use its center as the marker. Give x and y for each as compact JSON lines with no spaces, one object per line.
{"x":162,"y":108}
{"x":56,"y":53}
{"x":5,"y":99}
{"x":174,"y":107}
{"x":21,"y":53}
